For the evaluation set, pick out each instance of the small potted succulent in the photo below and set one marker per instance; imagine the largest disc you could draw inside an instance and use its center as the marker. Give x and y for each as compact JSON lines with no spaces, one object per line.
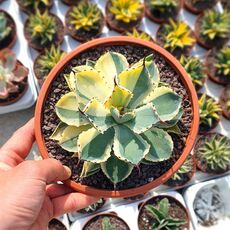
{"x":7,"y":30}
{"x":124,"y":15}
{"x":225,"y":101}
{"x":122,"y":83}
{"x":45,"y":61}
{"x":218,"y":65}
{"x":31,"y":6}
{"x":212,"y":28}
{"x":177,"y":37}
{"x":84,"y":21}
{"x":93,"y":207}
{"x":13,"y":78}
{"x":195,"y":69}
{"x":161,"y":10}
{"x":163,"y":212}
{"x":135,"y":33}
{"x":210,"y":112}
{"x":198,"y":6}
{"x":56,"y":224}
{"x":212,"y":153}
{"x":43,"y":29}
{"x":106,"y":221}
{"x":71,"y":2}
{"x":184,"y":174}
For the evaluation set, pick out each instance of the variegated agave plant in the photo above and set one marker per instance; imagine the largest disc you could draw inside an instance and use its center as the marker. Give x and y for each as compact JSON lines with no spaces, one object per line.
{"x":116,"y":116}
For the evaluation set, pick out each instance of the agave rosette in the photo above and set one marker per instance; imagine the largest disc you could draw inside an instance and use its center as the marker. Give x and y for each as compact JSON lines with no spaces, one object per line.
{"x":116,"y":115}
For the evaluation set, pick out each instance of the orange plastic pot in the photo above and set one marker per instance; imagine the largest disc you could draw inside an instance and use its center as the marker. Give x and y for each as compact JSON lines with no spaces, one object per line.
{"x":109,"y":42}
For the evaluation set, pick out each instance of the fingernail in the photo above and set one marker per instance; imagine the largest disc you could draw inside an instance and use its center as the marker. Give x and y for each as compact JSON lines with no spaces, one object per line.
{"x":68,"y":170}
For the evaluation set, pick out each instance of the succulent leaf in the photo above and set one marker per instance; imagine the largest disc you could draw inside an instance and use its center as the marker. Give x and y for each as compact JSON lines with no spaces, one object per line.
{"x":161,"y":145}
{"x":67,"y":110}
{"x":90,"y":63}
{"x":89,"y":169}
{"x":99,"y":115}
{"x":163,"y":5}
{"x":121,"y":118}
{"x":145,"y":118}
{"x":5,"y":30}
{"x":107,"y":225}
{"x":129,"y":146}
{"x":94,"y":146}
{"x":138,"y":34}
{"x":57,"y":134}
{"x":164,"y":206}
{"x":110,"y":65}
{"x":115,"y":169}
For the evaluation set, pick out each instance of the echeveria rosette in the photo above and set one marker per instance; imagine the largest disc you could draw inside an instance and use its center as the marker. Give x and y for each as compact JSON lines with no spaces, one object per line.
{"x":116,"y":115}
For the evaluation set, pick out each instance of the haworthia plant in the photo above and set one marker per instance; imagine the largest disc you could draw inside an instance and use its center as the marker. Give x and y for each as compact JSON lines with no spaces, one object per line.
{"x":107,"y":225}
{"x":117,"y":116}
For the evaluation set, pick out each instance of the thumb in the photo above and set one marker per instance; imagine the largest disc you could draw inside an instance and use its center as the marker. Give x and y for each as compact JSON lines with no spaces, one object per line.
{"x":48,"y":170}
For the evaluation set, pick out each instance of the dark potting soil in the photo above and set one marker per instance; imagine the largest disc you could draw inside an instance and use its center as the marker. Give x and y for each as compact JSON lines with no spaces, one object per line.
{"x":11,"y":36}
{"x":210,"y":61}
{"x":200,"y":161}
{"x":81,"y":34}
{"x":55,"y":224}
{"x":144,"y":173}
{"x":176,"y":210}
{"x":201,"y":5}
{"x":96,"y":223}
{"x":160,"y":38}
{"x":36,"y":42}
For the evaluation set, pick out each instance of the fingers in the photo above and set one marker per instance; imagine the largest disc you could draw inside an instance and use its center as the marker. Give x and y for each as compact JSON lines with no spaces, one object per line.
{"x":56,"y":190}
{"x":71,"y":202}
{"x":16,"y":149}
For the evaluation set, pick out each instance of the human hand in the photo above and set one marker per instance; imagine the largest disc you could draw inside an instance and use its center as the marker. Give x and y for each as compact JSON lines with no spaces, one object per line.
{"x":27,"y":202}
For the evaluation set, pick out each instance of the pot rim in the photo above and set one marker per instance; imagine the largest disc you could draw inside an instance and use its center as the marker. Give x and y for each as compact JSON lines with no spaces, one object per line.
{"x":119,"y":40}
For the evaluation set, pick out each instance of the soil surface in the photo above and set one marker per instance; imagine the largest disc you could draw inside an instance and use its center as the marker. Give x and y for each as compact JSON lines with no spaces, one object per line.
{"x":223,"y":101}
{"x":12,"y":35}
{"x":55,"y":224}
{"x":176,"y":210}
{"x":81,"y":34}
{"x":36,"y":42}
{"x":200,"y":6}
{"x":200,"y":161}
{"x":96,"y":223}
{"x":144,"y":173}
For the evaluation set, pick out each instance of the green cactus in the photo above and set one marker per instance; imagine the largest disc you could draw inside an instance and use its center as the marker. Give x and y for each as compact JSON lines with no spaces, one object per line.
{"x":222,"y":61}
{"x":123,"y":109}
{"x":49,"y":59}
{"x":138,"y":34}
{"x":86,"y":16}
{"x":4,"y":29}
{"x":215,"y":151}
{"x":161,"y":215}
{"x":10,"y":73}
{"x":215,"y":24}
{"x":163,"y":5}
{"x":209,"y":110}
{"x":195,"y":69}
{"x":42,"y":26}
{"x":107,"y":225}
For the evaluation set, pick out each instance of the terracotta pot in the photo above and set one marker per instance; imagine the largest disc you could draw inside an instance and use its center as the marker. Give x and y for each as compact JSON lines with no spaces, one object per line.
{"x":12,"y":37}
{"x":82,"y":38}
{"x":111,"y":214}
{"x":28,"y":10}
{"x":194,"y":10}
{"x":120,"y":26}
{"x":59,"y":35}
{"x":223,"y":101}
{"x":24,"y":84}
{"x":162,"y":20}
{"x":109,"y":42}
{"x":178,"y":203}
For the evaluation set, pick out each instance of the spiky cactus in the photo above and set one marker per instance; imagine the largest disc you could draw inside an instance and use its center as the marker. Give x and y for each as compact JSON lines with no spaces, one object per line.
{"x":138,"y":34}
{"x":163,"y":5}
{"x":162,"y":216}
{"x":215,"y":24}
{"x":126,"y":10}
{"x":123,"y":109}
{"x":177,"y":35}
{"x":10,"y":73}
{"x":215,"y":151}
{"x":107,"y":225}
{"x":42,"y":26}
{"x":195,"y":69}
{"x":4,"y":29}
{"x":209,"y":110}
{"x":222,"y":61}
{"x":86,"y":16}
{"x":49,"y":59}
